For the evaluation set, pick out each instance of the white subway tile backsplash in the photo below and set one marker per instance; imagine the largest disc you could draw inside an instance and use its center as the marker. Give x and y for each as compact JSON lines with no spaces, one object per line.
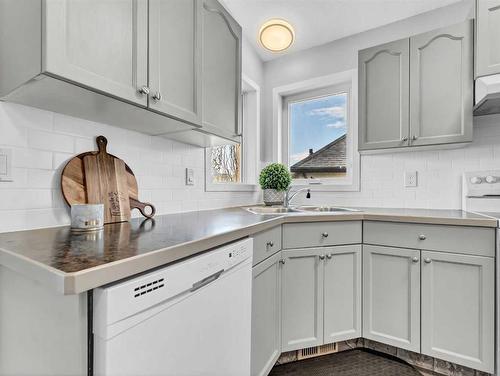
{"x":50,"y":141}
{"x":43,"y":142}
{"x":30,"y":158}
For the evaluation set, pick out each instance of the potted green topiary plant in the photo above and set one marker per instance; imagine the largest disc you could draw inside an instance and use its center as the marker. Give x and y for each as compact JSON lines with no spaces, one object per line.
{"x":274,"y":179}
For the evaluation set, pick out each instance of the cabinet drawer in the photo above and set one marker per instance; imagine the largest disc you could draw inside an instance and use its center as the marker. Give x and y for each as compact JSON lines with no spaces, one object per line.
{"x":266,"y":243}
{"x":459,"y":239}
{"x":314,"y":234}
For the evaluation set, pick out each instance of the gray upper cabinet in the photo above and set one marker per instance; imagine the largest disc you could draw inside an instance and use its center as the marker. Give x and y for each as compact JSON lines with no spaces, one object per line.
{"x":391,"y":296}
{"x":342,"y":294}
{"x":458,"y":309}
{"x":384,"y":96}
{"x":98,"y":44}
{"x":441,"y":82}
{"x":266,"y":315}
{"x":487,"y":37}
{"x":302,"y":298}
{"x":417,"y":91}
{"x":136,"y":64}
{"x":175,"y":45}
{"x":221,"y":71}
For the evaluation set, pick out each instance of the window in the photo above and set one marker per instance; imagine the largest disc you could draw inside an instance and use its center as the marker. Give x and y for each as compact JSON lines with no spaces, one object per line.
{"x":233,"y":167}
{"x":225,"y":163}
{"x":318,"y":128}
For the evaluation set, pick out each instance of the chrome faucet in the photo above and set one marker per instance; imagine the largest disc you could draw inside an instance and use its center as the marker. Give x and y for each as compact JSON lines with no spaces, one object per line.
{"x":289,"y":197}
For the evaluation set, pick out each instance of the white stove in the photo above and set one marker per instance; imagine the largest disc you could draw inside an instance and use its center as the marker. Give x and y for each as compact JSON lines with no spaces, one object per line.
{"x":481,"y":194}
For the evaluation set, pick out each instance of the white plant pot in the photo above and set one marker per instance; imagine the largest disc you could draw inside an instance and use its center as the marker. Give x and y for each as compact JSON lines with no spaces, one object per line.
{"x":273,"y":197}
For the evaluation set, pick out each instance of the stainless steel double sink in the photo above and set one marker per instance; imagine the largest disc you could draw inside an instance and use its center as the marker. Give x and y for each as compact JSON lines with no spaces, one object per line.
{"x":299,"y":209}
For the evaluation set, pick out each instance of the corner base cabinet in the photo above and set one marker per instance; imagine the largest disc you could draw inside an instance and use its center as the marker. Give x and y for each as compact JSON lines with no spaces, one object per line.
{"x":321,"y":296}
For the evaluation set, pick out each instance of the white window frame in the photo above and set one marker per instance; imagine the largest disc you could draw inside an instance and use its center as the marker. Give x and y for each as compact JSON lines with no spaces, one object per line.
{"x":345,"y":81}
{"x":250,"y":166}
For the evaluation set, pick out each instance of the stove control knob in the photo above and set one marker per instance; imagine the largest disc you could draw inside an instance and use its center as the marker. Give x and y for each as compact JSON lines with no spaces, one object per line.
{"x":476,"y":180}
{"x":491,"y":179}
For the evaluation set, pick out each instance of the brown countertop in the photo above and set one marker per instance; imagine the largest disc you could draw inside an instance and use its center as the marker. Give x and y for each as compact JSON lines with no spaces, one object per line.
{"x":73,"y":263}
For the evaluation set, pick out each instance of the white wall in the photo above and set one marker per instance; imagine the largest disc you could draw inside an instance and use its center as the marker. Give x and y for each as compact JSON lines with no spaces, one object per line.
{"x":382,"y":175}
{"x":43,"y":142}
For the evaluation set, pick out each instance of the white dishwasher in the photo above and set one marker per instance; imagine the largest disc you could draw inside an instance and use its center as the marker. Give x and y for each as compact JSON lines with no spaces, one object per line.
{"x":192,"y":318}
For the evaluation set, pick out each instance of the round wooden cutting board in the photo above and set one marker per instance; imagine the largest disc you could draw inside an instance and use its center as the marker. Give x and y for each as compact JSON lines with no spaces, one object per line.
{"x":75,"y":186}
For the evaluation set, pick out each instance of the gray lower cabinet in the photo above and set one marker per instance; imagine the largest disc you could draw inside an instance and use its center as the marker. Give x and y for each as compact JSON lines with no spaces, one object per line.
{"x":391,"y":296}
{"x":441,"y":85}
{"x":302,"y":298}
{"x":487,"y":37}
{"x":321,"y":296}
{"x":384,"y":83}
{"x":458,"y":309}
{"x":266,"y":315}
{"x":342,"y":294}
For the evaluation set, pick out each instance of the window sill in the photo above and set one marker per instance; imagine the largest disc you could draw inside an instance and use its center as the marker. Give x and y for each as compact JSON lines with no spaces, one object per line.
{"x":327,"y":186}
{"x":235,"y":187}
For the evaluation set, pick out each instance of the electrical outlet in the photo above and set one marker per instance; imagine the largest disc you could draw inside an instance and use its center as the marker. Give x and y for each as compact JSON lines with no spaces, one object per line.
{"x":411,"y":178}
{"x":189,"y":176}
{"x":5,"y":165}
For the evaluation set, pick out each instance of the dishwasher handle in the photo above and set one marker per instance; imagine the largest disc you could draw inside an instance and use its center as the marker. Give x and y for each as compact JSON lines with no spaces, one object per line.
{"x":205,"y":281}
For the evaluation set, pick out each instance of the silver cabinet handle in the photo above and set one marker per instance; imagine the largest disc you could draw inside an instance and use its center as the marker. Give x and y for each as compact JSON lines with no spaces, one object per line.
{"x":282,"y":262}
{"x":321,"y":257}
{"x":329,"y":256}
{"x":144,"y":90}
{"x":427,"y":260}
{"x":414,"y":137}
{"x":404,"y":139}
{"x":157,"y":97}
{"x":414,"y":259}
{"x":325,"y":234}
{"x":270,"y":244}
{"x":422,"y":237}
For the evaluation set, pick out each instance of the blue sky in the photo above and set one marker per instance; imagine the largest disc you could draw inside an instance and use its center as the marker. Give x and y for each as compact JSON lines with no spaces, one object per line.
{"x":315,"y":123}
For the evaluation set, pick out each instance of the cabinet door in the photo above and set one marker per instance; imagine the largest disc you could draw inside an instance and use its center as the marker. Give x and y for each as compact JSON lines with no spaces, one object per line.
{"x":266,"y":315}
{"x":98,"y":44}
{"x":391,"y":296}
{"x":384,"y":96}
{"x":458,"y":309}
{"x":342,"y":293}
{"x":302,"y":298}
{"x":487,"y":37}
{"x":441,"y":82}
{"x":175,"y":44}
{"x":221,"y":70}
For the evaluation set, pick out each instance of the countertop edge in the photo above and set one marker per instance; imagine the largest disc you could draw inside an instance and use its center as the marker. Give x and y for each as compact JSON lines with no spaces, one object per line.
{"x":78,"y":282}
{"x":82,"y":281}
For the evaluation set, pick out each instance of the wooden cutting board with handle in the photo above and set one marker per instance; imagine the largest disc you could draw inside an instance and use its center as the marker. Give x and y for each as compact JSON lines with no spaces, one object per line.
{"x":99,"y":177}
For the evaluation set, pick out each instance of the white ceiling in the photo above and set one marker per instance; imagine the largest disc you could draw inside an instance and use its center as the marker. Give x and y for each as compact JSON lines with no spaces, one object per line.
{"x":320,"y":21}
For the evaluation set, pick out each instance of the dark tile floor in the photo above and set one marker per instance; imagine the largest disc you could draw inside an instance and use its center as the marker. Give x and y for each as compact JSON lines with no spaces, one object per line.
{"x":347,"y":363}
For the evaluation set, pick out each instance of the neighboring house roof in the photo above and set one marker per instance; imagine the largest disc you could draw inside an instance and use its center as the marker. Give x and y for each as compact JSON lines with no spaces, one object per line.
{"x":330,"y":158}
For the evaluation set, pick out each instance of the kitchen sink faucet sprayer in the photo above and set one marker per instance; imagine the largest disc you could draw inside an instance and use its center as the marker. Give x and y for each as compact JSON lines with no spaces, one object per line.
{"x":289,"y":198}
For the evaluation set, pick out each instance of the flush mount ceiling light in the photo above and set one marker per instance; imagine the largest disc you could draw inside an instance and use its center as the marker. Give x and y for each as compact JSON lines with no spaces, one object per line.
{"x":276,"y":35}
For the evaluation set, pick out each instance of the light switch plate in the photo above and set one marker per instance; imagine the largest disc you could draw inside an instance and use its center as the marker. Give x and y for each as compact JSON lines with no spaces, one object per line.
{"x":5,"y":165}
{"x":189,"y":176}
{"x":411,"y":178}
